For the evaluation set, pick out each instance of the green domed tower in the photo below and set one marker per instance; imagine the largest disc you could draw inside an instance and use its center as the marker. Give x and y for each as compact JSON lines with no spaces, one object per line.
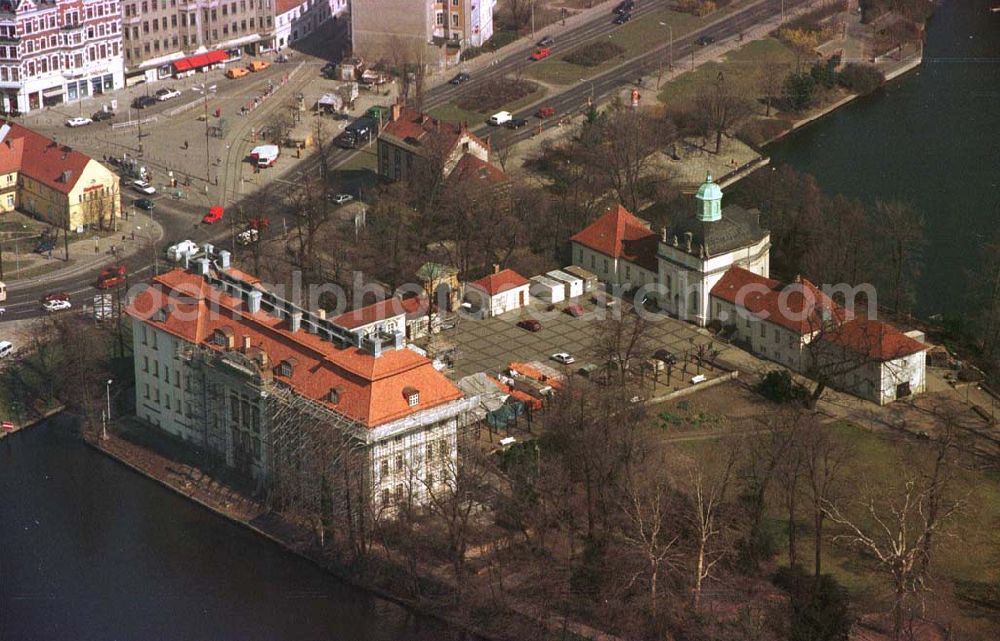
{"x":710,"y":196}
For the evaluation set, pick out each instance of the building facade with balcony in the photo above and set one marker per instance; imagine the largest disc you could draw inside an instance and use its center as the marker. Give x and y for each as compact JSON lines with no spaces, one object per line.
{"x":58,"y":51}
{"x":158,"y":32}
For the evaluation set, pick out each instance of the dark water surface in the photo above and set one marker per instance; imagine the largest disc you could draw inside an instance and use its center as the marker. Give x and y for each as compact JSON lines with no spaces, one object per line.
{"x":931,"y":137}
{"x":90,"y":550}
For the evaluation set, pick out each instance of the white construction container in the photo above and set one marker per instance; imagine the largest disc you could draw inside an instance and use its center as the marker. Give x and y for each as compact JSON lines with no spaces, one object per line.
{"x":572,"y":284}
{"x":547,"y":290}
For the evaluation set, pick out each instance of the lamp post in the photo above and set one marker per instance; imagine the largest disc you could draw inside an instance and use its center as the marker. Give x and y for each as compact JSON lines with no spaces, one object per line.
{"x":107,"y":412}
{"x":670,"y":64}
{"x":205,"y":90}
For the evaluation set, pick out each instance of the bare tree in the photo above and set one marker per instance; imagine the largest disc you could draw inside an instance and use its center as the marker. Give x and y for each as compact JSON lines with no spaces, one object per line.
{"x":721,"y":109}
{"x":623,"y":342}
{"x":901,"y":230}
{"x":823,"y":457}
{"x":896,"y":530}
{"x":645,"y":505}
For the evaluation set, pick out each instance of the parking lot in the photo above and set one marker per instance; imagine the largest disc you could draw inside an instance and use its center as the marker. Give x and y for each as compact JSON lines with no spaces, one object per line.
{"x":490,"y":345}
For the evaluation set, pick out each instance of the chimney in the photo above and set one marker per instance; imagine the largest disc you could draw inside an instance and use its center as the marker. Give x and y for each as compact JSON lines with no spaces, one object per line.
{"x":688,"y":237}
{"x":208,"y":248}
{"x":201,"y":266}
{"x":294,"y":321}
{"x":224,"y":259}
{"x":397,"y":110}
{"x":253,"y":301}
{"x":496,"y":268}
{"x":320,"y":313}
{"x":66,"y":175}
{"x":663,"y":235}
{"x":246,"y":343}
{"x":675,"y":240}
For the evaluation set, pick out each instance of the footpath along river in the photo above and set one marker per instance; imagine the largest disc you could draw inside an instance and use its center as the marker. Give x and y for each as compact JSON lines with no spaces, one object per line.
{"x":931,"y":137}
{"x":92,"y":551}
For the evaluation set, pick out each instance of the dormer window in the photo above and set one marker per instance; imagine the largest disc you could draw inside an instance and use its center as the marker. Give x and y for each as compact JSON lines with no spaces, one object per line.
{"x":333,"y":396}
{"x":223,"y":337}
{"x":412,"y":396}
{"x":286,"y":367}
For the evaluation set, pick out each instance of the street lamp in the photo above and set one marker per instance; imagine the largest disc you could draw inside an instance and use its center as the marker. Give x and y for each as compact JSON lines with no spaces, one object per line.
{"x":205,"y":90}
{"x":107,"y":412}
{"x":670,"y":66}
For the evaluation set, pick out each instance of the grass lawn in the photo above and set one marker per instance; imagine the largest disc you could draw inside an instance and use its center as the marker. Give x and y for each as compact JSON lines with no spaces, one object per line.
{"x":365,"y":159}
{"x":968,"y":554}
{"x":636,"y":37}
{"x":37,"y":269}
{"x":741,"y":67}
{"x":450,"y":112}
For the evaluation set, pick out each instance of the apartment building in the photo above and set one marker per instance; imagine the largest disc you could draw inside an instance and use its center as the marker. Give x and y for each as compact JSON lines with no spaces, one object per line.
{"x":58,"y":51}
{"x":238,"y":372}
{"x":295,"y":19}
{"x":158,"y":32}
{"x":419,"y":31}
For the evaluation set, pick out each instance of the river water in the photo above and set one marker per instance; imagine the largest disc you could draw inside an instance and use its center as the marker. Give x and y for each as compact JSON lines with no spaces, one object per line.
{"x":92,"y":551}
{"x":931,"y":137}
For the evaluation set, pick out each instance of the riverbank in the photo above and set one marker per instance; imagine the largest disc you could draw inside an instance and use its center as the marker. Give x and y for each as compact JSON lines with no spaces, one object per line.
{"x":9,"y":428}
{"x":892,"y":72}
{"x":379,"y":574}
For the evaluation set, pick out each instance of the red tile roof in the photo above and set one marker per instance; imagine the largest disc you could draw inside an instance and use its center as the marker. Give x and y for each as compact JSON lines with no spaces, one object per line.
{"x":412,"y":307}
{"x":471,"y":167}
{"x":797,"y":306}
{"x":874,"y":339}
{"x":370,"y":388}
{"x":619,"y":234}
{"x":500,"y":282}
{"x":41,"y":158}
{"x":419,"y":129}
{"x":284,"y":6}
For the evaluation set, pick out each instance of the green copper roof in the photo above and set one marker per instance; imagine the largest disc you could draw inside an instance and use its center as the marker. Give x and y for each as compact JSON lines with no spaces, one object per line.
{"x":710,"y":196}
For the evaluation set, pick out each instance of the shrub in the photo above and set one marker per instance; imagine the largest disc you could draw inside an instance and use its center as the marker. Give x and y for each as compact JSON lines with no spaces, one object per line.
{"x":495,"y":93}
{"x":860,"y":79}
{"x":817,"y":609}
{"x":593,"y":54}
{"x":825,"y":74}
{"x":499,"y":39}
{"x":800,"y":90}
{"x":696,"y":7}
{"x":779,"y":386}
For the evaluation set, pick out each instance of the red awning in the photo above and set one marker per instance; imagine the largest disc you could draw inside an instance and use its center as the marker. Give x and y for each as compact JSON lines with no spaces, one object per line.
{"x":200,"y":60}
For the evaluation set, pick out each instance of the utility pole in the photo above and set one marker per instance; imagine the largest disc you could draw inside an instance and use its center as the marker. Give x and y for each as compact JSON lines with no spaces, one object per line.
{"x":532,"y":19}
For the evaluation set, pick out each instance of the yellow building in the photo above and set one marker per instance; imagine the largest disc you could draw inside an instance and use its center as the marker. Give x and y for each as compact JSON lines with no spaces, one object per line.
{"x":54,"y":182}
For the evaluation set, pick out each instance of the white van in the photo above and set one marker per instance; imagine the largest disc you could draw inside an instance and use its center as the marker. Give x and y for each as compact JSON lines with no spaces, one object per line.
{"x":176,"y":253}
{"x":6,"y":349}
{"x":500,"y":118}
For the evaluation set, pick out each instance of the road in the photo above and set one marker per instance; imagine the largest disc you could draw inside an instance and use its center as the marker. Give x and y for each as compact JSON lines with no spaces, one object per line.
{"x":176,"y":217}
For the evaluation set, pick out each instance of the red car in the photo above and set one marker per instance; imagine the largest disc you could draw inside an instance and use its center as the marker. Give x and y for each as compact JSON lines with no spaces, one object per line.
{"x":111,"y":277}
{"x":55,"y":296}
{"x":574,"y":310}
{"x":214,"y":215}
{"x":530,"y":325}
{"x":545,"y":112}
{"x":540,"y":53}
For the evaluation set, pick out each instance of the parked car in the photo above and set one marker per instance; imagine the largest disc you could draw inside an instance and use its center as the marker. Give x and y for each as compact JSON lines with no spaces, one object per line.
{"x":167,"y":93}
{"x":500,"y":118}
{"x":54,"y":296}
{"x":144,"y":203}
{"x":6,"y":349}
{"x":78,"y":121}
{"x":516,"y":123}
{"x":111,"y":277}
{"x":541,"y":53}
{"x":574,"y":310}
{"x":459,"y":78}
{"x":258,"y":65}
{"x":341,"y":199}
{"x":236,"y":72}
{"x":214,"y":215}
{"x":546,"y":41}
{"x":282,"y":58}
{"x":545,"y":112}
{"x":665,"y":356}
{"x":143,"y":101}
{"x":705,"y":40}
{"x":563,"y":357}
{"x":56,"y":305}
{"x":623,"y":17}
{"x":144,"y":187}
{"x":45,"y":245}
{"x":530,"y":324}
{"x":102,"y":115}
{"x":625,"y":6}
{"x":176,"y":253}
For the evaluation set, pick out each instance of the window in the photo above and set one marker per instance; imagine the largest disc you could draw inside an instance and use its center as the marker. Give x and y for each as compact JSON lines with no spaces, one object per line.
{"x":454,"y":19}
{"x":385,"y":497}
{"x":440,"y":18}
{"x":430,"y":451}
{"x":166,"y":373}
{"x":146,"y":392}
{"x":777,"y":336}
{"x":413,"y":399}
{"x":628,"y":272}
{"x":156,"y":369}
{"x":145,"y":363}
{"x":605,"y":265}
{"x":399,"y":462}
{"x":384,"y":471}
{"x":443,"y":449}
{"x":399,"y":493}
{"x":763,"y":331}
{"x":430,"y":481}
